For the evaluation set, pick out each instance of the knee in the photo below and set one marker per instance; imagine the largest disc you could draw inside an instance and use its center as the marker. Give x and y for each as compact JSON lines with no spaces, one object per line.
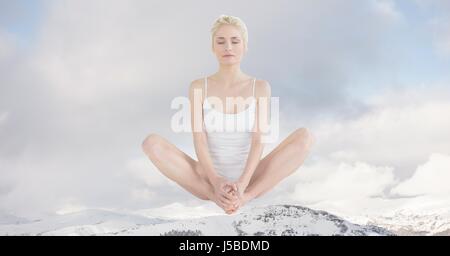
{"x":304,"y":137}
{"x":152,"y":144}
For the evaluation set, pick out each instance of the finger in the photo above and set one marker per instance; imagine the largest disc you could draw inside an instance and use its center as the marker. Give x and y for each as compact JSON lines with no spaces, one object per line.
{"x":232,"y":193}
{"x":229,"y":189}
{"x":235,"y":196}
{"x":223,"y":186}
{"x":226,"y":190}
{"x":229,"y":196}
{"x":226,"y":201}
{"x":231,"y":199}
{"x":224,"y":205}
{"x":233,"y":203}
{"x":228,"y":184}
{"x":230,"y":207}
{"x":229,"y":202}
{"x":234,"y":186}
{"x":228,"y":211}
{"x":231,"y":211}
{"x":223,"y":190}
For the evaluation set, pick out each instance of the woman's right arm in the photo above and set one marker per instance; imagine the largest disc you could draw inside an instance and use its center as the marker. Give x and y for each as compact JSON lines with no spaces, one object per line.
{"x":200,"y":139}
{"x":222,"y":187}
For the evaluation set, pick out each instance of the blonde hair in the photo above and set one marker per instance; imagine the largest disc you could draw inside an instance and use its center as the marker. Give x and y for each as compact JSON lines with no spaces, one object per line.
{"x":230,"y":20}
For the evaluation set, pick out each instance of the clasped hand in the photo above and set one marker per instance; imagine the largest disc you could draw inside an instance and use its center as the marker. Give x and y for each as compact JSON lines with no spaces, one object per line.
{"x":228,"y":194}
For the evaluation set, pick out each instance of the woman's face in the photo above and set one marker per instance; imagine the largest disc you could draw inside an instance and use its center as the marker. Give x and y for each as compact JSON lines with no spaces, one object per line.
{"x":228,"y":45}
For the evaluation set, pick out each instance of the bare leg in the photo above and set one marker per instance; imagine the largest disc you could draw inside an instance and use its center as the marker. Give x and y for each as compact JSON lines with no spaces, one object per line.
{"x":179,"y":167}
{"x":280,"y":163}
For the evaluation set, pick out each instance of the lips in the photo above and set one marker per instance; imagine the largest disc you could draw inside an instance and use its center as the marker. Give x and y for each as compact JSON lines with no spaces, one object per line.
{"x":228,"y":55}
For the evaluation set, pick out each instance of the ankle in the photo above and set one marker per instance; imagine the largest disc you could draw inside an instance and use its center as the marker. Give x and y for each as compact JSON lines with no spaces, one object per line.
{"x":210,"y":194}
{"x":247,"y":196}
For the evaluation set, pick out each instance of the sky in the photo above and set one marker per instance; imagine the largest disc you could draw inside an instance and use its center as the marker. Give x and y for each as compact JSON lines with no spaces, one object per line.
{"x":82,"y":83}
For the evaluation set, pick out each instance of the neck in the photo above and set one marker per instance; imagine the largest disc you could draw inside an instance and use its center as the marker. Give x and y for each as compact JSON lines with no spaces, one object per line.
{"x":229,"y":74}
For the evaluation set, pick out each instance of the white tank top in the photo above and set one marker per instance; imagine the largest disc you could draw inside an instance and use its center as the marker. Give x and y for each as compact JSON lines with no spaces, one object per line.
{"x":229,"y":136}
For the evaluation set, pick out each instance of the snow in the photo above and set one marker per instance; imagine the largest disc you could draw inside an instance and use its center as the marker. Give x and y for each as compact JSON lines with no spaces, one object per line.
{"x":409,"y":221}
{"x":260,"y":220}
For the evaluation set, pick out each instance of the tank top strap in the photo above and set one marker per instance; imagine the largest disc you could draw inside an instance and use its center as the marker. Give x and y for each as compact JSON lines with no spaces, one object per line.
{"x":206,"y":86}
{"x":254,"y":80}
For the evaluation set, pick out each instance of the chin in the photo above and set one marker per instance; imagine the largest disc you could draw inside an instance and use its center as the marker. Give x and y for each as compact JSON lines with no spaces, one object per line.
{"x":229,"y":61}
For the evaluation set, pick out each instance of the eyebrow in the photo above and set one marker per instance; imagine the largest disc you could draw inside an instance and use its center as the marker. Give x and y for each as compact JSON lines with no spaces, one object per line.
{"x":235,"y":37}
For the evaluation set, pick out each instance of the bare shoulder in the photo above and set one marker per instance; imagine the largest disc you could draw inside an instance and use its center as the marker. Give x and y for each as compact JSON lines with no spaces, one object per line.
{"x":197,"y":84}
{"x":262,"y":88}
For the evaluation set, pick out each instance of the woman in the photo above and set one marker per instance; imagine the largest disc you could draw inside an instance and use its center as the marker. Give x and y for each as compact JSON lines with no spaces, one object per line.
{"x":229,"y":170}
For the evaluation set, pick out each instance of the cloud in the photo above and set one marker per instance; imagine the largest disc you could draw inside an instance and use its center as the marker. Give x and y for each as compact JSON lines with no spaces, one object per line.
{"x":439,"y":24}
{"x":358,"y":188}
{"x":437,"y":5}
{"x":7,"y":45}
{"x":429,"y":179}
{"x":441,"y":33}
{"x":69,"y":207}
{"x":8,"y":180}
{"x":387,"y":9}
{"x":401,"y":128}
{"x":343,"y":181}
{"x":144,"y":171}
{"x":331,"y":48}
{"x":3,"y":117}
{"x":340,"y":187}
{"x":80,"y":103}
{"x":90,"y":51}
{"x":375,"y":162}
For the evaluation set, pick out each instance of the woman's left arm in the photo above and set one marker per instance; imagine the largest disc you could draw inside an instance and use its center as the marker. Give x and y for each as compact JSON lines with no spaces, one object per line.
{"x":262,"y":93}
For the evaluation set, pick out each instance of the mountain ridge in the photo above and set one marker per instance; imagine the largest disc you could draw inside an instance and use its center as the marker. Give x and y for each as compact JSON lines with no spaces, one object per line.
{"x":272,"y":220}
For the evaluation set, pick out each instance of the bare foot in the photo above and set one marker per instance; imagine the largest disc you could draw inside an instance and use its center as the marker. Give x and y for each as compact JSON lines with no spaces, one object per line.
{"x":242,"y":200}
{"x":242,"y":196}
{"x":228,"y":208}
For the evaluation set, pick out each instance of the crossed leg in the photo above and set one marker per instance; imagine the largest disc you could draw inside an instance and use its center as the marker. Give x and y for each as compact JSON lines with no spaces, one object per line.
{"x":176,"y":165}
{"x":185,"y":171}
{"x":179,"y":167}
{"x":281,"y":162}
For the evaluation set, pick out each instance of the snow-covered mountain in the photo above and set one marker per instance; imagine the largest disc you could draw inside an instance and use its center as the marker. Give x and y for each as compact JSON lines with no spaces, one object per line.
{"x":85,"y":222}
{"x":6,"y":218}
{"x":409,"y":222}
{"x":264,"y":220}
